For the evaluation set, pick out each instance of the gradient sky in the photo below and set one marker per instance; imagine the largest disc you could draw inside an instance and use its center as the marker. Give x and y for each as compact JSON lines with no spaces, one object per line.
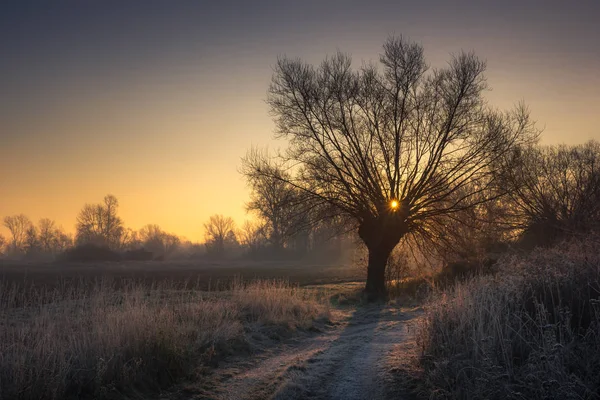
{"x":157,"y":101}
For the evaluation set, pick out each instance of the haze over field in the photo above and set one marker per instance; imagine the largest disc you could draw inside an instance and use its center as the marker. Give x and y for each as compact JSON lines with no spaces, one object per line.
{"x":156,"y":104}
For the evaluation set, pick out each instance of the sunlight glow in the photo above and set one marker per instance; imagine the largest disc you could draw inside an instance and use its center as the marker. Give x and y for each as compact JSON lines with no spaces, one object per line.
{"x":394,"y":204}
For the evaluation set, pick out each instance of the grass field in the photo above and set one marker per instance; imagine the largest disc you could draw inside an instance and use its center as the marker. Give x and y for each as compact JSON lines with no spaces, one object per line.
{"x":112,"y":338}
{"x":199,"y":274}
{"x":106,"y":330}
{"x":528,"y":328}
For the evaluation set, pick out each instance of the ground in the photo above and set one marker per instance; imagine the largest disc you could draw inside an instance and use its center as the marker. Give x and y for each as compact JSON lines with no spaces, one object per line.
{"x":208,"y":273}
{"x":357,"y":357}
{"x":356,"y":354}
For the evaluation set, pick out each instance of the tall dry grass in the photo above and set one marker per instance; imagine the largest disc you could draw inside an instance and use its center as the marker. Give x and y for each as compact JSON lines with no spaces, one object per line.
{"x":103,"y":340}
{"x":531,"y":331}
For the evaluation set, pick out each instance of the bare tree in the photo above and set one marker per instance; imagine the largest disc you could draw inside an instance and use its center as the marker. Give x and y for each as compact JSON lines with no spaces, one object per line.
{"x":252,"y":236}
{"x":64,"y":241}
{"x":150,"y":233}
{"x":52,"y":238}
{"x":32,"y":247}
{"x":554,"y":191}
{"x":18,"y":226}
{"x":278,"y":204}
{"x":471,"y":237}
{"x":391,"y":148}
{"x":170,"y":243}
{"x":130,"y":240}
{"x":47,"y":235}
{"x":100,"y":224}
{"x":219,"y":230}
{"x":159,"y":242}
{"x":2,"y":244}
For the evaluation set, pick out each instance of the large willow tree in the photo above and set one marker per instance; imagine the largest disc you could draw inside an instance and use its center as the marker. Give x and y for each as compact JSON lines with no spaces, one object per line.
{"x":392,"y":147}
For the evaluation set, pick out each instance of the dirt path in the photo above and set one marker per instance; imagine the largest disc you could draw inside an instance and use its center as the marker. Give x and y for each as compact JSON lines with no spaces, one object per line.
{"x":354,"y":361}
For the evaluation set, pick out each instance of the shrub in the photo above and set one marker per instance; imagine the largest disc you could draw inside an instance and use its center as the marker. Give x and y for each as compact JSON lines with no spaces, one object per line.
{"x":138,"y":255}
{"x":532,"y":331}
{"x":90,"y":253}
{"x":459,"y":271}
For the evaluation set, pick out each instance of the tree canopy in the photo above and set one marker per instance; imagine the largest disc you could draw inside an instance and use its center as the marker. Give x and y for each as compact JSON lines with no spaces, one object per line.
{"x":361,"y":139}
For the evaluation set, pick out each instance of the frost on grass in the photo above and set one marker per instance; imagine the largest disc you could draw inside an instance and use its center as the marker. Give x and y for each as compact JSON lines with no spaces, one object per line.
{"x":81,"y":341}
{"x":532,"y":331}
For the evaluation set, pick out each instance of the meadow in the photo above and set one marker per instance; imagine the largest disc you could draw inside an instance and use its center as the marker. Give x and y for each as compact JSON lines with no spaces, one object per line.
{"x":201,"y":274}
{"x":110,"y":338}
{"x":528,"y":327}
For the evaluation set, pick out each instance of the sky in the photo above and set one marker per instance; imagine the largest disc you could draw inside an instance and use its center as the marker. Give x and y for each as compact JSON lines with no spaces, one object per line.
{"x":157,"y":101}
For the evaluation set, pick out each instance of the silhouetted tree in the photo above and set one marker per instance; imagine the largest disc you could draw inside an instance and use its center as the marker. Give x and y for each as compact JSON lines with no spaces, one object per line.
{"x":130,"y":240}
{"x":554,"y":191}
{"x":52,"y":239}
{"x":252,"y":236}
{"x":100,"y":224}
{"x":470,"y":238}
{"x":159,"y":242}
{"x":18,"y":225}
{"x":47,"y":234}
{"x":32,"y":247}
{"x":325,"y":237}
{"x":218,"y":232}
{"x":170,"y":243}
{"x":391,"y":148}
{"x":278,"y":204}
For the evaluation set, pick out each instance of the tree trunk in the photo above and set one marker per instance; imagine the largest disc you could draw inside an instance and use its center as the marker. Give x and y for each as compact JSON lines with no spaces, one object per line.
{"x":375,"y":288}
{"x":380,"y":235}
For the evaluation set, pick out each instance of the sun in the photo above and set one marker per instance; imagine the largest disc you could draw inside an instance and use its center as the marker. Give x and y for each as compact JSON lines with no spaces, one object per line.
{"x":394,"y":204}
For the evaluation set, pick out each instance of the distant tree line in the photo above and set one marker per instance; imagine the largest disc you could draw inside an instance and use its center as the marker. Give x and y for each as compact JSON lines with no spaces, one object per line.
{"x":98,"y":226}
{"x":551,"y":193}
{"x":32,"y":241}
{"x":100,"y":235}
